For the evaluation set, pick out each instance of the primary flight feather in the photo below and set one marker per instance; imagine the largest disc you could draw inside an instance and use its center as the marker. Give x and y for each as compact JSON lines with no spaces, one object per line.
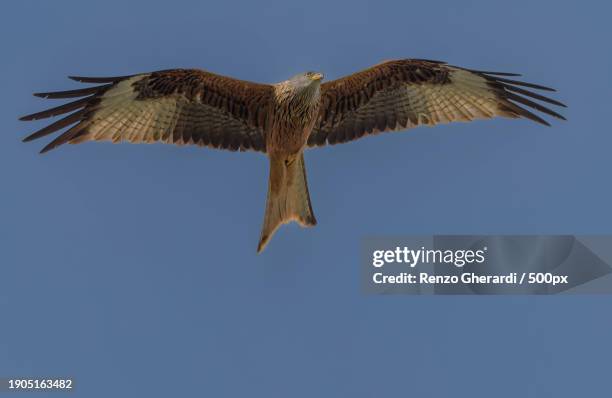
{"x":189,"y":106}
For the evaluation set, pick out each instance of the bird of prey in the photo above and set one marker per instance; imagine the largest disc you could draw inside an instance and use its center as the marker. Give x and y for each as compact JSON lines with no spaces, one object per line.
{"x":192,"y":106}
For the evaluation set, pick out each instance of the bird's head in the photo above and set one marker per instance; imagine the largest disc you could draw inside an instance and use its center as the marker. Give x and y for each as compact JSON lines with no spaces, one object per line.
{"x":307,"y":79}
{"x":305,"y":85}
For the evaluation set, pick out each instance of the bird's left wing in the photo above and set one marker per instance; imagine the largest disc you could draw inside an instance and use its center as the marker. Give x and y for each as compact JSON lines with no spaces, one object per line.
{"x":178,"y":106}
{"x":397,"y":95}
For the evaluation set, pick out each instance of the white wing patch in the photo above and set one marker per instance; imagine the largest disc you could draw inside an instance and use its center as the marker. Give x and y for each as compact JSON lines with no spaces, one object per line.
{"x":122,"y":117}
{"x":467,"y":98}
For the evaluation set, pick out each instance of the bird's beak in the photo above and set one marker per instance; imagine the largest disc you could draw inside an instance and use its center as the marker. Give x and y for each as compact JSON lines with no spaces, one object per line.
{"x":317,"y":76}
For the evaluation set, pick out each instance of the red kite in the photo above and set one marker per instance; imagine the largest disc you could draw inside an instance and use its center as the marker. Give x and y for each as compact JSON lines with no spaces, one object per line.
{"x":188,"y":106}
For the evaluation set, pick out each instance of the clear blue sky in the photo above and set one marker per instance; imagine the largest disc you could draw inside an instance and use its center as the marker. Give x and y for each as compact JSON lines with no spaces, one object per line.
{"x":133,"y":268}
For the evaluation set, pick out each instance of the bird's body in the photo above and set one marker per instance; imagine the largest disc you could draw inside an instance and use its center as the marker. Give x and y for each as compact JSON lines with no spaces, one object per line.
{"x":188,"y":106}
{"x":296,"y":108}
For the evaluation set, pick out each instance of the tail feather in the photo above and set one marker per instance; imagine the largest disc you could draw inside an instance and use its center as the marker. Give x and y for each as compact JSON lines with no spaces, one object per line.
{"x":288,"y":198}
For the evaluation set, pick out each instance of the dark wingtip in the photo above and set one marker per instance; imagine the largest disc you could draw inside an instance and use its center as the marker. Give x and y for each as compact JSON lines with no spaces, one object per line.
{"x":555,"y":102}
{"x":524,"y":84}
{"x":47,"y":148}
{"x":42,"y":151}
{"x":81,"y":92}
{"x":484,"y":72}
{"x":88,"y":79}
{"x":28,"y":118}
{"x":538,"y":120}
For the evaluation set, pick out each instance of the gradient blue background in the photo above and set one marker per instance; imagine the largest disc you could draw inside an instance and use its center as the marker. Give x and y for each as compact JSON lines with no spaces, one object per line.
{"x":133,"y":268}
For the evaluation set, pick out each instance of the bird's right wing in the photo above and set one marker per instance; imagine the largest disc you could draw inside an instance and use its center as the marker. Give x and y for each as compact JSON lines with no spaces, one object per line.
{"x":398,"y":95}
{"x":178,"y":106}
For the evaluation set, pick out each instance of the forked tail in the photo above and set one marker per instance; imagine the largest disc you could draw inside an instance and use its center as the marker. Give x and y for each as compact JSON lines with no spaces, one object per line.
{"x":288,"y":198}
